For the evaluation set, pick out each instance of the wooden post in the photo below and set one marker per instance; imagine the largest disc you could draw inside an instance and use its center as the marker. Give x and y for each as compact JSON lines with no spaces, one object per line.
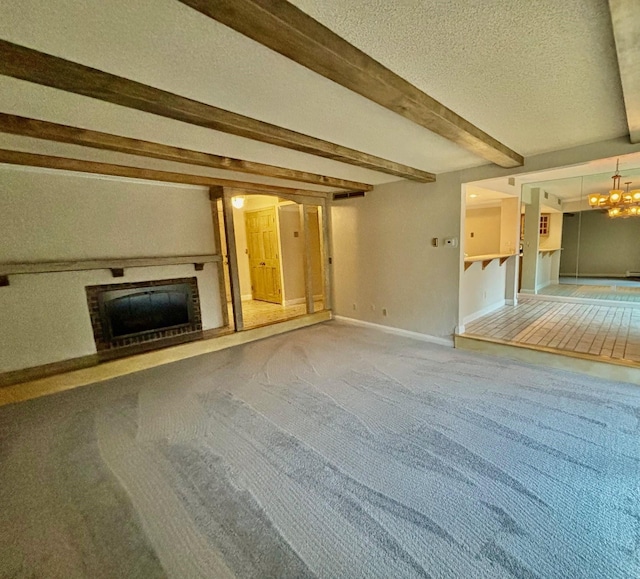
{"x":222,"y":290}
{"x":325,"y":243}
{"x":531,"y":243}
{"x":306,"y":244}
{"x":234,"y":276}
{"x":328,"y":239}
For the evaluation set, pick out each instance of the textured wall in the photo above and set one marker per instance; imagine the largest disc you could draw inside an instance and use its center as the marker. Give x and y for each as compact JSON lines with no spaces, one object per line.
{"x":46,"y":215}
{"x":383,"y":256}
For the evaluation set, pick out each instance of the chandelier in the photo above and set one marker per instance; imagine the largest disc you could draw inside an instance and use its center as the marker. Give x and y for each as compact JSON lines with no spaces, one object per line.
{"x":618,"y":203}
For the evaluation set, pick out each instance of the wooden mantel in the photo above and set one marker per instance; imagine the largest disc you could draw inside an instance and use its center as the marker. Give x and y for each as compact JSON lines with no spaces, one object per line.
{"x":30,"y":267}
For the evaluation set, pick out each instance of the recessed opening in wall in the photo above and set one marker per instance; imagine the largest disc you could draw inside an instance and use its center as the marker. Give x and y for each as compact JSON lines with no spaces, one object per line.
{"x":153,"y":313}
{"x":280,"y":259}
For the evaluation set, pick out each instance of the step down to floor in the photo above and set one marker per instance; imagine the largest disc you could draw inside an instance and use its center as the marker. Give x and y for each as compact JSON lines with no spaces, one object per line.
{"x":597,"y":366}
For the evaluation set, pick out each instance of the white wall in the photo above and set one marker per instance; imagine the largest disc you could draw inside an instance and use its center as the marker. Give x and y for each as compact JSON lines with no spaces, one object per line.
{"x":482,"y":230}
{"x":382,"y":255}
{"x":548,"y":268}
{"x":57,"y":216}
{"x":244,"y":272}
{"x":554,"y":239}
{"x":509,"y":225}
{"x":483,"y":289}
{"x":292,"y":253}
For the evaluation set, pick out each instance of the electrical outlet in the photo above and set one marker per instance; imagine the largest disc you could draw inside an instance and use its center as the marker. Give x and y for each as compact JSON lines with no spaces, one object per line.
{"x":373,"y":308}
{"x":355,"y":307}
{"x":384,"y":311}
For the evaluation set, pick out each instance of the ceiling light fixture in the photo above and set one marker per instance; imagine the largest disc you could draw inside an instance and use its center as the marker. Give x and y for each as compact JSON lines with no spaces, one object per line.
{"x":473,"y":195}
{"x":238,"y":202}
{"x":618,"y":203}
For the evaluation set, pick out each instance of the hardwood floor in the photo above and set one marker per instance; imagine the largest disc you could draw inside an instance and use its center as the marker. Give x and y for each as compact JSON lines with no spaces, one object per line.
{"x":257,"y":313}
{"x":601,"y":291}
{"x":608,"y":332}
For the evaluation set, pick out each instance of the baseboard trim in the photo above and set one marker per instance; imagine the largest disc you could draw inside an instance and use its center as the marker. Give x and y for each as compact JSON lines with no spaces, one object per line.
{"x":37,"y":372}
{"x":586,"y":301}
{"x":397,"y":331}
{"x":43,"y":386}
{"x":483,"y":312}
{"x":595,"y":275}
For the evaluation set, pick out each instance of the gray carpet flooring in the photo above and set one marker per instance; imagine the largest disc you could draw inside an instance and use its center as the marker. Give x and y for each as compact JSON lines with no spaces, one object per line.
{"x":332,"y":451}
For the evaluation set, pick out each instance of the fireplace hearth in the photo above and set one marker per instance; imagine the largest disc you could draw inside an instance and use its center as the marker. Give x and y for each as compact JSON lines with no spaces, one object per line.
{"x":152,"y":313}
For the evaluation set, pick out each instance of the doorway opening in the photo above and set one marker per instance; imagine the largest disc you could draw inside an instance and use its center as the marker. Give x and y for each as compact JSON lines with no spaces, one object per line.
{"x":280,"y":250}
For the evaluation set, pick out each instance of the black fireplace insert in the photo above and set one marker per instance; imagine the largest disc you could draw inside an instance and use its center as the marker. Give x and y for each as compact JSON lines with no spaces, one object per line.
{"x":131,"y":312}
{"x":135,"y":313}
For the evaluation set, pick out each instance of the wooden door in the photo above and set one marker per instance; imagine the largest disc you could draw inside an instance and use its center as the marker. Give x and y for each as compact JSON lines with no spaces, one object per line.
{"x":264,"y":259}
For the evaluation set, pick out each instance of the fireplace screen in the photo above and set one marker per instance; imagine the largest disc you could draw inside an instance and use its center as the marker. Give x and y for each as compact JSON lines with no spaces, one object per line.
{"x":146,"y":310}
{"x":135,"y":313}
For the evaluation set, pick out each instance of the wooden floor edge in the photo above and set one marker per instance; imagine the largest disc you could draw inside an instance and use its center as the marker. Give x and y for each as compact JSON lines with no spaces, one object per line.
{"x":596,"y":366}
{"x":115,"y":368}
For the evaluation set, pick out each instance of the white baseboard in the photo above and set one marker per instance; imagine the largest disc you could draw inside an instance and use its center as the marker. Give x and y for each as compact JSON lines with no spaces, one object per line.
{"x":597,"y":275}
{"x":513,"y":302}
{"x":587,"y":301}
{"x":542,"y":286}
{"x":246,"y":297}
{"x":483,"y":312}
{"x":397,"y":331}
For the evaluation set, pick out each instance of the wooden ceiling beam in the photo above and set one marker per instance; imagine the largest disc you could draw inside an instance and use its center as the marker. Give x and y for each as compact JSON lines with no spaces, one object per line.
{"x":93,"y":167}
{"x":41,"y":68}
{"x":625,"y":18}
{"x":38,"y":129}
{"x":283,"y":27}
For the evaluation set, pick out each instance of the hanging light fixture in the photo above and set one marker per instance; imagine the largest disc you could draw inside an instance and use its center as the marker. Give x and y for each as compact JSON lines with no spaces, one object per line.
{"x":238,"y":201}
{"x":618,"y":203}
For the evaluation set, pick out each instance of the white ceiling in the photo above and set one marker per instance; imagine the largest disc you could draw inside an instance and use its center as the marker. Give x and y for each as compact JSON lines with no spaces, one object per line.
{"x":480,"y":196}
{"x":537,"y":76}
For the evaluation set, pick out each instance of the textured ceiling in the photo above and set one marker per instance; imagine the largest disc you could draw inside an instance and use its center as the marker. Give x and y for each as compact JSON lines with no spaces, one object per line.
{"x":537,"y":76}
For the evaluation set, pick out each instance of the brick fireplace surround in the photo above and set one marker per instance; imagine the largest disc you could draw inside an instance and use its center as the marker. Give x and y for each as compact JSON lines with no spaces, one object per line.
{"x":110,"y":347}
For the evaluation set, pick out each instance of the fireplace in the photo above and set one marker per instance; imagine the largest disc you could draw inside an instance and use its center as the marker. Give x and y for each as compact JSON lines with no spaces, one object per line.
{"x":144,"y":314}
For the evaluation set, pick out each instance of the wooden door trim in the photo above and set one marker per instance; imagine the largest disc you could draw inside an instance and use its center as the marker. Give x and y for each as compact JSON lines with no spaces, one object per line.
{"x":234,"y":274}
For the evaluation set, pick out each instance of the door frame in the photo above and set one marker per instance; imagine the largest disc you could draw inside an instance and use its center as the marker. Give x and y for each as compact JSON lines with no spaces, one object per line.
{"x":321,"y":200}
